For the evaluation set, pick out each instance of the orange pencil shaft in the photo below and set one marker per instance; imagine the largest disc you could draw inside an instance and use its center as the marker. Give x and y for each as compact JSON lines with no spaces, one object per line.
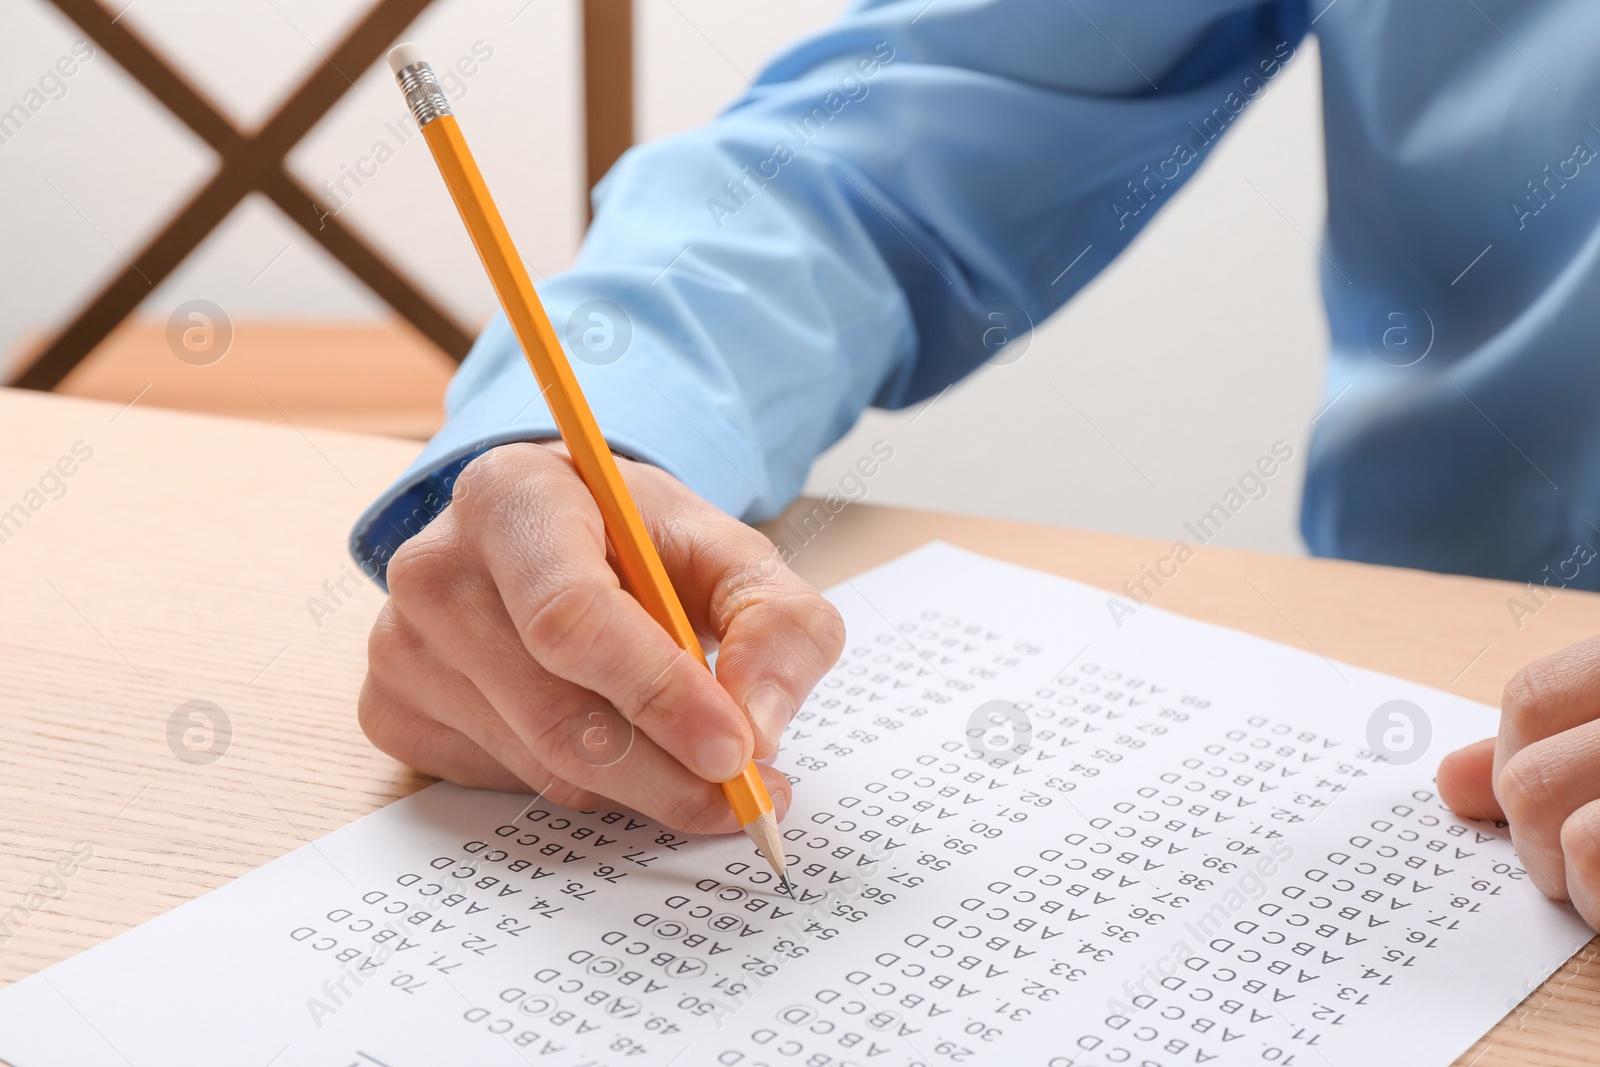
{"x":641,"y":565}
{"x":642,"y":569}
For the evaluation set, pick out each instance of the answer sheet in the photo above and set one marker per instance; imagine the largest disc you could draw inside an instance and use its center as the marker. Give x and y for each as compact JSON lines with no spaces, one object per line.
{"x":1023,"y":835}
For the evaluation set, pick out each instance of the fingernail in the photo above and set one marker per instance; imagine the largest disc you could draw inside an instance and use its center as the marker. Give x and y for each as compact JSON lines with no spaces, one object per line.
{"x":719,"y":759}
{"x":780,"y":806}
{"x":770,"y":711}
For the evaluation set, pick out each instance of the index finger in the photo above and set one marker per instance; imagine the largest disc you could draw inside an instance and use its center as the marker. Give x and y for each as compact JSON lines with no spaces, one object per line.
{"x":1545,"y":755}
{"x":1547,"y":697}
{"x":778,"y":636}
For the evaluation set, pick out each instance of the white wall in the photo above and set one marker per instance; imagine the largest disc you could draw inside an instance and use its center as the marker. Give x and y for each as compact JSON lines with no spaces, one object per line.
{"x":1182,"y":364}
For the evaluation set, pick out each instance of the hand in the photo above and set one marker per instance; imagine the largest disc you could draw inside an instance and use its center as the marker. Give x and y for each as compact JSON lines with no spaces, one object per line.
{"x":1542,"y":775}
{"x":508,"y":656}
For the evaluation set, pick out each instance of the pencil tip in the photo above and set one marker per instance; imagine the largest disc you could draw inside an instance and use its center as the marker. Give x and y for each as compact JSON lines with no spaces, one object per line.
{"x":788,"y":886}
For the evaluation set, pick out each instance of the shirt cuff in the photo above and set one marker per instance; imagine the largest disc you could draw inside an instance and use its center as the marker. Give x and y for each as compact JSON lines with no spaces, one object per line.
{"x":646,"y":406}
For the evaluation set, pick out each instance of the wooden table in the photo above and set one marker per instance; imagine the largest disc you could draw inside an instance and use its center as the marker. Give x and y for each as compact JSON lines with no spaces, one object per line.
{"x":176,"y":564}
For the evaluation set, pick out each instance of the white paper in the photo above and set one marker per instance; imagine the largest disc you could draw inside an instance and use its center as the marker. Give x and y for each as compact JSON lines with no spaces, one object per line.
{"x":1193,"y":859}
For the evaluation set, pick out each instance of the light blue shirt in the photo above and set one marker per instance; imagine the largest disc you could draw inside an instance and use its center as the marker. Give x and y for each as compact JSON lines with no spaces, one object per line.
{"x":847,"y":232}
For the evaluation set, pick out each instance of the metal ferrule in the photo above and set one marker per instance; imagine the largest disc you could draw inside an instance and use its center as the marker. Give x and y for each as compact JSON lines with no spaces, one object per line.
{"x":423,"y":93}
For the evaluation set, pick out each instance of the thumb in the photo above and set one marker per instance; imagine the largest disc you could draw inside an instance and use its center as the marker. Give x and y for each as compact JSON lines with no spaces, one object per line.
{"x":1466,"y":782}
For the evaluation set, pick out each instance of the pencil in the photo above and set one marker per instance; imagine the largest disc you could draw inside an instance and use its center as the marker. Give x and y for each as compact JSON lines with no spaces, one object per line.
{"x":641,"y":565}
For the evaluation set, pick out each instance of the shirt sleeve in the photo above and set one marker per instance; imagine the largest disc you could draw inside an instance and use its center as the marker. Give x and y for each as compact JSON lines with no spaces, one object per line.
{"x":891,"y":201}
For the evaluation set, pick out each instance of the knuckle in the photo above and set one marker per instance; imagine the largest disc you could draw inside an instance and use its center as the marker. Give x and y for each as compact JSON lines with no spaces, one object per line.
{"x":371,"y":712}
{"x":501,"y":478}
{"x":765,"y":583}
{"x":821,"y":621}
{"x":1519,"y":699}
{"x":1526,"y":787}
{"x":498,"y":465}
{"x":392,"y":645}
{"x":422,"y":567}
{"x":1522,"y":698}
{"x":759,"y":579}
{"x":567,"y":624}
{"x":1536,"y":692}
{"x":1580,"y":844}
{"x":703,"y":808}
{"x":650,"y":703}
{"x":384,"y":720}
{"x":813,"y":619}
{"x":554,"y":744}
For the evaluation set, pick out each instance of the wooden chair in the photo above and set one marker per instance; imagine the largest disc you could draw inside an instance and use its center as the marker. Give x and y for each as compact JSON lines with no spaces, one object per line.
{"x":255,"y":162}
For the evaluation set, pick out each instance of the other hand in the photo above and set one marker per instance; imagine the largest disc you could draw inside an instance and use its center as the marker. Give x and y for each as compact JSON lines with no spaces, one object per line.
{"x":1542,"y":774}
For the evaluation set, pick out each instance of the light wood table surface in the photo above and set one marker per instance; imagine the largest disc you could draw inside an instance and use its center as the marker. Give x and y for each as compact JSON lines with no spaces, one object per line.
{"x":177,"y":562}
